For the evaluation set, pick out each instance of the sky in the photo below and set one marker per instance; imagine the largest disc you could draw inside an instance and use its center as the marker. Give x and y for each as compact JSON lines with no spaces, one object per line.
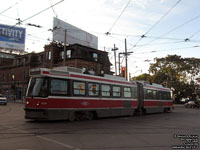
{"x":168,"y":27}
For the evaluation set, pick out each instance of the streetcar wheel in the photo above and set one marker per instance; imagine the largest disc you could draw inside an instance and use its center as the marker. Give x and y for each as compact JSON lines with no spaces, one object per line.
{"x":72,"y":117}
{"x":90,"y":115}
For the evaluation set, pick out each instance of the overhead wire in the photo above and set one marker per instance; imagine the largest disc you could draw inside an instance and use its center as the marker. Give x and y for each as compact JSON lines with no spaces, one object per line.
{"x":162,"y":43}
{"x":153,"y":37}
{"x":23,"y":21}
{"x":175,"y":28}
{"x":163,"y":16}
{"x":118,"y":17}
{"x":156,"y":23}
{"x":38,"y":13}
{"x":29,"y":24}
{"x":10,"y":7}
{"x":171,"y":49}
{"x":193,"y":35}
{"x":53,"y":8}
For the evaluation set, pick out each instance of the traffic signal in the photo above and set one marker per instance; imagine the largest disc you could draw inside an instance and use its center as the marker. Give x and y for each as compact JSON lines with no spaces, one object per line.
{"x":123,"y":72}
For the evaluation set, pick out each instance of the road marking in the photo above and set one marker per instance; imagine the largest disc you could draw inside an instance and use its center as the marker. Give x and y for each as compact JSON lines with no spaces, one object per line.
{"x":65,"y":145}
{"x":47,"y":139}
{"x":23,"y":149}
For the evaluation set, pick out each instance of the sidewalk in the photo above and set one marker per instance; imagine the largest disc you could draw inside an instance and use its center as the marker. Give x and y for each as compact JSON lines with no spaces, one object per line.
{"x":16,"y":101}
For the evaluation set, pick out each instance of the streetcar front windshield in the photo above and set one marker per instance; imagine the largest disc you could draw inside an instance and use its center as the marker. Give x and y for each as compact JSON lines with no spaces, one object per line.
{"x":38,"y":87}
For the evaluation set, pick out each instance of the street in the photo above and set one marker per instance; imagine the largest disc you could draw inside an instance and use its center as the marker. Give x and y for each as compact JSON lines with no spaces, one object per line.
{"x":177,"y":130}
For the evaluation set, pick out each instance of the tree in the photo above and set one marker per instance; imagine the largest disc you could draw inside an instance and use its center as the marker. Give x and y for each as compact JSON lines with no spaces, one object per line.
{"x":143,"y":77}
{"x":176,"y":73}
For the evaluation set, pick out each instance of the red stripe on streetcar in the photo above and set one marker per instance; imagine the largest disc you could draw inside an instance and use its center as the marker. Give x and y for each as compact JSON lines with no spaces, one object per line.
{"x":157,"y":103}
{"x":76,"y":103}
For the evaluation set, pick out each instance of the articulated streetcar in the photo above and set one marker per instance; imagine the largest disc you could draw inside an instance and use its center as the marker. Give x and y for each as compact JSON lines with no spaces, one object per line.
{"x":66,"y":93}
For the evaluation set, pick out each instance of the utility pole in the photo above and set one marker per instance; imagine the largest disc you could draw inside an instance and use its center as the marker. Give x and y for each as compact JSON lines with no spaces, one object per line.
{"x":115,"y":49}
{"x":119,"y":63}
{"x":126,"y":60}
{"x":65,"y":42}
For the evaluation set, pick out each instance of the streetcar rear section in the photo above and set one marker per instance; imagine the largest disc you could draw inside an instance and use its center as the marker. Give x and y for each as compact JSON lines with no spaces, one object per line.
{"x":154,"y":98}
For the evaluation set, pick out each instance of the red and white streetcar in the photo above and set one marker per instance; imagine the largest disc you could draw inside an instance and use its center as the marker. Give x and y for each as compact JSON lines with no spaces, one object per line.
{"x":66,"y":93}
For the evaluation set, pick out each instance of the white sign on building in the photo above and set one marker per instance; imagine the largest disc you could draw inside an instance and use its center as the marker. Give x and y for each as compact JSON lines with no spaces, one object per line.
{"x":74,"y":35}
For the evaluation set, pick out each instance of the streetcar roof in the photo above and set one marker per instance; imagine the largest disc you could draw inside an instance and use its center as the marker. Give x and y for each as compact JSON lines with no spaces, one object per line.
{"x":149,"y":85}
{"x":74,"y":73}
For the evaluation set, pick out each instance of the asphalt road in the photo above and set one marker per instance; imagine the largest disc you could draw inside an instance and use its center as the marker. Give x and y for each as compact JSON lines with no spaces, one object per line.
{"x":177,"y":130}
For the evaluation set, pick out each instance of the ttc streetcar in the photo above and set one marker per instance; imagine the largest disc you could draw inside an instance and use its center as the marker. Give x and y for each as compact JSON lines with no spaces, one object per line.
{"x":65,"y":93}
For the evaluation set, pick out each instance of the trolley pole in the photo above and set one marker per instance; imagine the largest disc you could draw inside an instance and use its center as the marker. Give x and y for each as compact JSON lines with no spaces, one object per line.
{"x":65,"y":42}
{"x":115,"y":49}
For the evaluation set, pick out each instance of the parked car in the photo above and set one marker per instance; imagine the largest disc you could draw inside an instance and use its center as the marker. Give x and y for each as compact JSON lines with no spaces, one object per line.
{"x":192,"y":104}
{"x":3,"y":100}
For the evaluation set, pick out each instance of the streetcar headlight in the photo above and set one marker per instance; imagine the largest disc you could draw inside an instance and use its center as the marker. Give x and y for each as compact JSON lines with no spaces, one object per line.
{"x":27,"y":102}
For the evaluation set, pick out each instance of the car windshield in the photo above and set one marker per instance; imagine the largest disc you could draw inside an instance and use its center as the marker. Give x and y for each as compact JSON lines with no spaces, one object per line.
{"x":38,"y":87}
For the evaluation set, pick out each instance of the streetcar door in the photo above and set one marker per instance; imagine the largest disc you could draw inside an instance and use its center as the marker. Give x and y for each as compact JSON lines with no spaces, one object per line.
{"x":140,"y":95}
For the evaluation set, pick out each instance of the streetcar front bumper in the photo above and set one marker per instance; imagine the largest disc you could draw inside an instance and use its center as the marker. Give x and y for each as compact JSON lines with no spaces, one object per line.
{"x":36,"y":114}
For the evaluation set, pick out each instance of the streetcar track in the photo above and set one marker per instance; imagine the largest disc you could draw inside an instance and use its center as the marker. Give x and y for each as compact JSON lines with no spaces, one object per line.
{"x":42,"y":130}
{"x":129,"y":147}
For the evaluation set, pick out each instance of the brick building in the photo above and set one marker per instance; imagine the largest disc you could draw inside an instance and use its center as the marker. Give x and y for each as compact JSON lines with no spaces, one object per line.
{"x":14,"y":71}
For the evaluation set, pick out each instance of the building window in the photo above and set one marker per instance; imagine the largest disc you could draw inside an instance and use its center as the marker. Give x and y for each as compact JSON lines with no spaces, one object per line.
{"x":26,"y":74}
{"x":68,"y":54}
{"x":95,"y":56}
{"x":24,"y":61}
{"x":84,"y":70}
{"x":46,"y":55}
{"x":61,"y":55}
{"x":17,"y":62}
{"x":49,"y":56}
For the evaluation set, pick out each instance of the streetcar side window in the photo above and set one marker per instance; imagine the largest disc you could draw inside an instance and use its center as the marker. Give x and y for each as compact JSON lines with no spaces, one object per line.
{"x":127,"y":92}
{"x":148,"y":94}
{"x":116,"y":91}
{"x":165,"y":95}
{"x":155,"y":94}
{"x":159,"y":95}
{"x":105,"y":90}
{"x":168,"y":96}
{"x":135,"y":92}
{"x":93,"y":89}
{"x":79,"y":88}
{"x":58,"y":87}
